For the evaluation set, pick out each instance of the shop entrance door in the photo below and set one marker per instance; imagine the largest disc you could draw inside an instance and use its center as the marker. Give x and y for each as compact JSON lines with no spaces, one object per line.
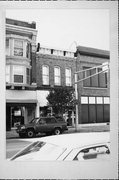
{"x":17,"y":116}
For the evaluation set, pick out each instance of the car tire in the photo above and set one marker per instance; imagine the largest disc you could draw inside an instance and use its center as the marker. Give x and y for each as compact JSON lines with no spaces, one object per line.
{"x":30,"y":133}
{"x":21,"y":135}
{"x":57,"y":131}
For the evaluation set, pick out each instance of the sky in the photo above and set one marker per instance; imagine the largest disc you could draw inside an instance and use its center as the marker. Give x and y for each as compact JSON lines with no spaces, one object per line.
{"x":67,"y":28}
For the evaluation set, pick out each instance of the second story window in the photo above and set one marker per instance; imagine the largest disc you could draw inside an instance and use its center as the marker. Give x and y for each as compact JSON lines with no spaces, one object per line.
{"x":68,"y":76}
{"x":18,"y":74}
{"x":28,"y":47}
{"x":57,"y":76}
{"x":99,"y":80}
{"x":28,"y":75}
{"x":45,"y":74}
{"x":7,"y":73}
{"x":7,"y":46}
{"x":18,"y":48}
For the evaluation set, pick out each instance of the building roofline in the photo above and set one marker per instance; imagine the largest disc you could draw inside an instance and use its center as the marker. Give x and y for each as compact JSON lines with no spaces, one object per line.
{"x":93,"y":51}
{"x":21,"y":23}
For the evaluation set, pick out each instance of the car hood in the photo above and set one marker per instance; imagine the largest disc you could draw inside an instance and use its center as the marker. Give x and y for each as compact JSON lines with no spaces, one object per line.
{"x":26,"y":125}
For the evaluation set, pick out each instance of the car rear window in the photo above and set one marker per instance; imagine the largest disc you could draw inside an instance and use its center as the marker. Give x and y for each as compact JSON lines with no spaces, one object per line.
{"x":41,"y":151}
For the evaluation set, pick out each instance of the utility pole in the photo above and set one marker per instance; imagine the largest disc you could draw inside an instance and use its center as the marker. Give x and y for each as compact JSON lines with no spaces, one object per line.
{"x":76,"y":96}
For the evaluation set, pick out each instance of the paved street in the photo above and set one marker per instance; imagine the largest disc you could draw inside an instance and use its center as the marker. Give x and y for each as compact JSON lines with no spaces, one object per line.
{"x":14,"y":143}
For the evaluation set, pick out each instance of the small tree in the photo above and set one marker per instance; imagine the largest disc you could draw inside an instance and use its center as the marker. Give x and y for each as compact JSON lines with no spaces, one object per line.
{"x":61,"y":100}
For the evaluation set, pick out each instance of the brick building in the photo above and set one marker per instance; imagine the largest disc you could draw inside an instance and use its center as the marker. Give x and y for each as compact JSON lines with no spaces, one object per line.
{"x":56,"y":68}
{"x":94,"y":92}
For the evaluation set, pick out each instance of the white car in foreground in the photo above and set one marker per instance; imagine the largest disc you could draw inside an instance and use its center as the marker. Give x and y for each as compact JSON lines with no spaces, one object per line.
{"x":67,"y":147}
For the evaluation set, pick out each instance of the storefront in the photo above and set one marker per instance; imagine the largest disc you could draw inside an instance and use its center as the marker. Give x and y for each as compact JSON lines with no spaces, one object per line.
{"x":21,"y":107}
{"x":95,"y":110}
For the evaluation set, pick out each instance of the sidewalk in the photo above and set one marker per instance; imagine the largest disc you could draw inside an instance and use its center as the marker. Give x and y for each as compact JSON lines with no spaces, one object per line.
{"x":80,"y":129}
{"x":89,"y":128}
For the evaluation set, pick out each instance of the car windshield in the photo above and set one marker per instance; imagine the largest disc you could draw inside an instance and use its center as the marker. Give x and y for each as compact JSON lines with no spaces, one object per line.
{"x":40,"y":151}
{"x":35,"y":120}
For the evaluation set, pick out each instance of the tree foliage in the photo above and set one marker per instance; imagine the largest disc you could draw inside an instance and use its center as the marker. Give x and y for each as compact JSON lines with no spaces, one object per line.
{"x":61,"y":100}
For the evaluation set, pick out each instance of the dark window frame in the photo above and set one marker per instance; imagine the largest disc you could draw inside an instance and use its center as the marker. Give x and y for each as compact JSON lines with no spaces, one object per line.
{"x":90,"y":79}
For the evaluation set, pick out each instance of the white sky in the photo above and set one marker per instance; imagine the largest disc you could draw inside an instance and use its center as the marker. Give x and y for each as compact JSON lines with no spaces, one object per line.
{"x":66,"y":28}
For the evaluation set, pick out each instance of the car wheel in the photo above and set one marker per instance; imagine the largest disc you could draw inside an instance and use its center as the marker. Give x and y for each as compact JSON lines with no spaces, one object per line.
{"x":30,"y":133}
{"x":21,"y":135}
{"x":57,"y":131}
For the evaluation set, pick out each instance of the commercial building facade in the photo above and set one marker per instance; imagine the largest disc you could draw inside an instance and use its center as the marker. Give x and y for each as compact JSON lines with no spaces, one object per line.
{"x":56,"y":68}
{"x":21,"y":98}
{"x":94,"y":92}
{"x":30,"y":75}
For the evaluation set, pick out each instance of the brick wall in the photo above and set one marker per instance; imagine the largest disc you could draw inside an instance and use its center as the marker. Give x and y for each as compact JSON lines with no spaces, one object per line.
{"x":52,"y":61}
{"x":89,"y":61}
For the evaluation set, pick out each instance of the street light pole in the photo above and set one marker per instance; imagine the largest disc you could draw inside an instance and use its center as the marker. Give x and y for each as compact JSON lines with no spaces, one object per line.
{"x":76,"y":97}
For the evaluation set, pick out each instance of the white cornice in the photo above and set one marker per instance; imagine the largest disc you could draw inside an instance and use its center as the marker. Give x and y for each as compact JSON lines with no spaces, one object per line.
{"x":21,"y":29}
{"x":18,"y":37}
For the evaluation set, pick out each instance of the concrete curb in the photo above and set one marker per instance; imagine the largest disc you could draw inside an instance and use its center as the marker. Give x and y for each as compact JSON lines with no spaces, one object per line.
{"x":102,"y":128}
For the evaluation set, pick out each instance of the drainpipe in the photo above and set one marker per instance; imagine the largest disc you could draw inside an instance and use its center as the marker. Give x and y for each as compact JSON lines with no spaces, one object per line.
{"x":76,"y":96}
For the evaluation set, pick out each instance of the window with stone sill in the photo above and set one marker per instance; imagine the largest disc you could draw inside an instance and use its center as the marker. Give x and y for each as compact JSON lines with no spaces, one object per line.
{"x":97,"y":81}
{"x":18,"y":48}
{"x":45,"y":74}
{"x":18,"y":74}
{"x":68,"y":76}
{"x":57,"y":76}
{"x":21,"y":48}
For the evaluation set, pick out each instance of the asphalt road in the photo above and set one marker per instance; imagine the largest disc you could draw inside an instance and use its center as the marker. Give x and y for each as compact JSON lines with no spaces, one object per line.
{"x":13,"y":146}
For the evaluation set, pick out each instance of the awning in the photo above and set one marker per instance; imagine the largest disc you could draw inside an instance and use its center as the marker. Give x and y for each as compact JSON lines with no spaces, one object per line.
{"x":21,"y":96}
{"x":21,"y":101}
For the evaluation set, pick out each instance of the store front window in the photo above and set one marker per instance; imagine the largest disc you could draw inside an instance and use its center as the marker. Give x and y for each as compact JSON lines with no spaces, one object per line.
{"x":95,"y":109}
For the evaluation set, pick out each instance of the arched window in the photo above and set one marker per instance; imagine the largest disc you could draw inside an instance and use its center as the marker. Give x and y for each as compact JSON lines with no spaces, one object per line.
{"x":45,"y":74}
{"x":68,"y":76}
{"x":57,"y":76}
